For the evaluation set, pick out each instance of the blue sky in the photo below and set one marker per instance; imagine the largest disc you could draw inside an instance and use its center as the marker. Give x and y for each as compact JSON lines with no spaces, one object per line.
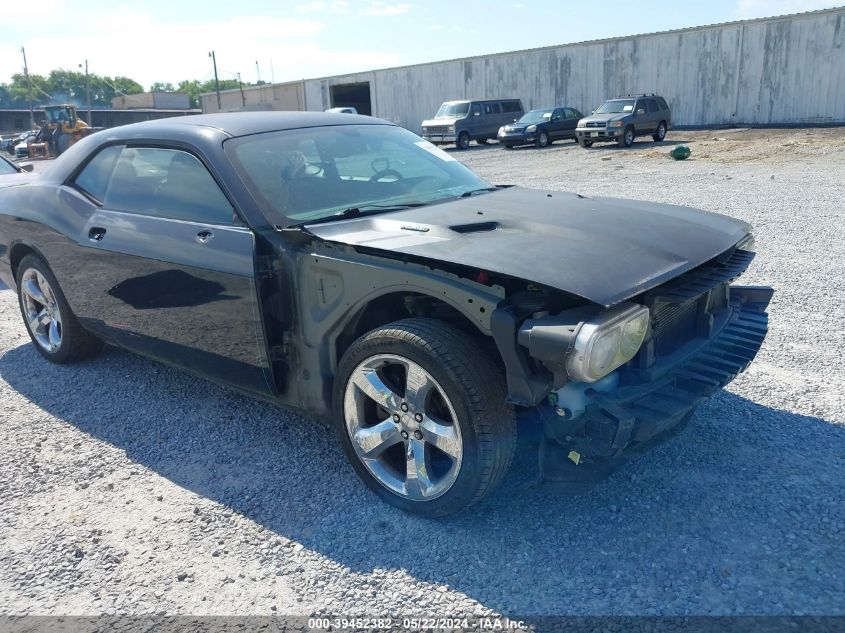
{"x":169,"y":40}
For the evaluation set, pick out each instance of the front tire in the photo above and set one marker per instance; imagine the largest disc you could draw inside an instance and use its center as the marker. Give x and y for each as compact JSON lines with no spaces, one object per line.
{"x":51,"y":324}
{"x":463,"y":141}
{"x":421,"y":415}
{"x":627,"y":139}
{"x":542,"y":139}
{"x":583,"y":142}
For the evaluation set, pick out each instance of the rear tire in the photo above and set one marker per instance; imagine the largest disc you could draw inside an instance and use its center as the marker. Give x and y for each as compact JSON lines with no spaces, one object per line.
{"x":450,"y":417}
{"x":660,"y":134}
{"x":463,"y":141}
{"x":482,"y":141}
{"x":507,"y":145}
{"x":50,"y":322}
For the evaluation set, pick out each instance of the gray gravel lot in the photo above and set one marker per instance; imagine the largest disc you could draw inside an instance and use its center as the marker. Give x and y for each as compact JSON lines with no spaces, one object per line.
{"x":128,"y":487}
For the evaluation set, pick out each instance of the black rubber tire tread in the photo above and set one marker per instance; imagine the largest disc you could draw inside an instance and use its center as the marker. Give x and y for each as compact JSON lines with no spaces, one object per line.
{"x":459,"y":364}
{"x":584,"y":142}
{"x":77,"y":342}
{"x":656,"y":135}
{"x":548,"y":140}
{"x":621,"y":142}
{"x":459,"y":142}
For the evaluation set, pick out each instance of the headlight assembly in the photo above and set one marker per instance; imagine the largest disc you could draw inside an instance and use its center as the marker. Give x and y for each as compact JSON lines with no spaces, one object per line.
{"x":607,"y":341}
{"x":615,"y":124}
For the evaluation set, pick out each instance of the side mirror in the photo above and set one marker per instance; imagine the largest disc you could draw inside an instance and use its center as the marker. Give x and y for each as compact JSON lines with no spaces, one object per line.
{"x":514,"y":120}
{"x":640,"y":111}
{"x":27,"y":166}
{"x":592,"y":111}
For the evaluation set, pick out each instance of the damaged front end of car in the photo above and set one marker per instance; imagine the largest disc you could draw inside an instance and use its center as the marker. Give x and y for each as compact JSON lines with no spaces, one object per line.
{"x":605,"y":379}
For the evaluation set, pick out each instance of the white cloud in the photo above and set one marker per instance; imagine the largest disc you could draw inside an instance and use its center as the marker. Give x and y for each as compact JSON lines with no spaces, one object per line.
{"x":320,"y":6}
{"x":380,"y":8}
{"x":746,"y":9}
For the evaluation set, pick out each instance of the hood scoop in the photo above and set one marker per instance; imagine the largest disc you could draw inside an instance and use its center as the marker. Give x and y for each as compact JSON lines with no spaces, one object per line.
{"x":475,"y":227}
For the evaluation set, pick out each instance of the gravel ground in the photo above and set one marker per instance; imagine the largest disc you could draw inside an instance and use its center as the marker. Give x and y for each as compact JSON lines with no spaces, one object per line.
{"x":129,"y":487}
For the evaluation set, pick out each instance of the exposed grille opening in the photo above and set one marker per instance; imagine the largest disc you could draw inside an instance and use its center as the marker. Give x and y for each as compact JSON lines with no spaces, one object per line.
{"x":675,"y":324}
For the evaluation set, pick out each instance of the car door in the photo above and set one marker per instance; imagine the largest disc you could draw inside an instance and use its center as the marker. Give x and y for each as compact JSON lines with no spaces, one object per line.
{"x":571,"y":118}
{"x":170,"y":269}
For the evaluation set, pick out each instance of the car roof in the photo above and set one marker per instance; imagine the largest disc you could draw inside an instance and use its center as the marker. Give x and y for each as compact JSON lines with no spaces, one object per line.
{"x":242,"y":123}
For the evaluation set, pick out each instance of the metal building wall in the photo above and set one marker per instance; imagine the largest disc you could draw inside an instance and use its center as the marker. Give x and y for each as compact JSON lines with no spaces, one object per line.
{"x":783,"y":70}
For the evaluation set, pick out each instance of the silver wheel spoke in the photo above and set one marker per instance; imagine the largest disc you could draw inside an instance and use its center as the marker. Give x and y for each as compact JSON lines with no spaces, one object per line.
{"x":369,"y":382}
{"x":372,"y":441}
{"x":53,"y":335}
{"x":442,"y":436}
{"x":33,"y":291}
{"x":418,"y":478}
{"x":417,"y":387}
{"x":36,"y":322}
{"x":424,"y":473}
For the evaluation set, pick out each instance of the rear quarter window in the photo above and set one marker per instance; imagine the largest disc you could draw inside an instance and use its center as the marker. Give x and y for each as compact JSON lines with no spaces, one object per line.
{"x":94,"y":178}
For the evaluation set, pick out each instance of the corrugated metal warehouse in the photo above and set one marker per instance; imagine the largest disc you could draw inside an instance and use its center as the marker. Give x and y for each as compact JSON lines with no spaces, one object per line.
{"x":769,"y":71}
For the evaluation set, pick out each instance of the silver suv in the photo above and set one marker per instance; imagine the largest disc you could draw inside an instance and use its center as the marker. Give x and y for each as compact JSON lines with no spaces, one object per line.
{"x":623,"y":119}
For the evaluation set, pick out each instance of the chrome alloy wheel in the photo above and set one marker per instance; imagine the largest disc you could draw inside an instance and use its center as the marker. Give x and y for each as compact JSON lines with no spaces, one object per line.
{"x":403,"y":427}
{"x":41,"y":310}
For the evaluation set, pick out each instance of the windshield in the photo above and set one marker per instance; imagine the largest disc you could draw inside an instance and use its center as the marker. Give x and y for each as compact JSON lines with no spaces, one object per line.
{"x":536,"y":116}
{"x":452,"y":110}
{"x":6,"y":167}
{"x":314,"y":173}
{"x":616,"y":106}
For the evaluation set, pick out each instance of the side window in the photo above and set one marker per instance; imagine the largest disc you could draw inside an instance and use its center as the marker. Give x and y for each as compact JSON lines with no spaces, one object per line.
{"x":476,"y":109}
{"x":662,"y":103}
{"x":497,"y":109}
{"x":488,"y":108}
{"x":652,"y":106}
{"x":510,"y":106}
{"x":571,"y":114}
{"x":94,"y":178}
{"x":167,"y":183}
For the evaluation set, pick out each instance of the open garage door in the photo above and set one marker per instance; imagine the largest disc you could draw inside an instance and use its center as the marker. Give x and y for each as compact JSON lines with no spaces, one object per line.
{"x":352,"y":95}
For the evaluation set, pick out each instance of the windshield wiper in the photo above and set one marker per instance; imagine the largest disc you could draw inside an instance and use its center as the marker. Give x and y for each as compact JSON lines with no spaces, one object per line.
{"x":363,"y":209}
{"x":471,"y":192}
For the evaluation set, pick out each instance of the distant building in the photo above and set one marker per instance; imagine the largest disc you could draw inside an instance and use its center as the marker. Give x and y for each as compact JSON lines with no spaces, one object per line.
{"x":152,"y":101}
{"x":768,"y":71}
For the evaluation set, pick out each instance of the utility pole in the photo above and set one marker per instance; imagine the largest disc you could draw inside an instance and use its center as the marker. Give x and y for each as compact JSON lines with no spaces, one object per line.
{"x":29,"y":89}
{"x":258,"y":72}
{"x":216,"y":81}
{"x":87,"y":92}
{"x":241,"y":86}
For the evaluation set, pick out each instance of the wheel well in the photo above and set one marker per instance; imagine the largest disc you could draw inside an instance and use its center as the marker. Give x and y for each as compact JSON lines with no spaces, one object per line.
{"x":18,"y":252}
{"x":401,"y":305}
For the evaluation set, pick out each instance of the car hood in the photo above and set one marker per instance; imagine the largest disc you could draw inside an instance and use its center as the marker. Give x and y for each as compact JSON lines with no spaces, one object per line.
{"x":605,"y":117}
{"x":601,"y":249}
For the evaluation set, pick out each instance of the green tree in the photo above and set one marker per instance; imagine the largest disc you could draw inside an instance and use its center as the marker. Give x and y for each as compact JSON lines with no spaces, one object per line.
{"x":162,"y":87}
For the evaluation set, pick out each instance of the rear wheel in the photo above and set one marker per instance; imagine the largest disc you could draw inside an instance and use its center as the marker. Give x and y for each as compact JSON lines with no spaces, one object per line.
{"x":507,"y":145}
{"x":463,"y":140}
{"x":51,"y":324}
{"x":542,"y":139}
{"x":660,"y":134}
{"x":482,"y":141}
{"x":421,"y":415}
{"x":627,"y":138}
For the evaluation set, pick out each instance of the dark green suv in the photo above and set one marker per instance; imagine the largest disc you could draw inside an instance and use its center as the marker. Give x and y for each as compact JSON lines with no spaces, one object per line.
{"x":625,"y":118}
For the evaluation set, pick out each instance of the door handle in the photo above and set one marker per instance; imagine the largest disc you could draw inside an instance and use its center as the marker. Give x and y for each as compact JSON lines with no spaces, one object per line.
{"x":96,"y":233}
{"x":204,"y":236}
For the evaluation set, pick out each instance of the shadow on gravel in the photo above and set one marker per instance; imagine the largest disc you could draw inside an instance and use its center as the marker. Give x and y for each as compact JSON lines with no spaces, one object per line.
{"x":737,"y":514}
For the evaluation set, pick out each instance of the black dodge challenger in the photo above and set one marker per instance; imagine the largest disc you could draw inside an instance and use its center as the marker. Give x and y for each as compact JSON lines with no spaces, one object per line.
{"x":342,"y":266}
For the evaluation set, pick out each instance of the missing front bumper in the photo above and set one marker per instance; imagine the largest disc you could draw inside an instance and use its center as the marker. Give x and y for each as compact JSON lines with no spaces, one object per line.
{"x":640,"y":409}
